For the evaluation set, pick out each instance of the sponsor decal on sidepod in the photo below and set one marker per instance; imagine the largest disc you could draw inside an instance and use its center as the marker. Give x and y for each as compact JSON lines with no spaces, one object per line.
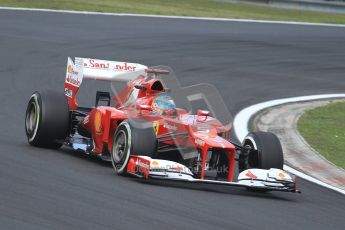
{"x":68,"y":92}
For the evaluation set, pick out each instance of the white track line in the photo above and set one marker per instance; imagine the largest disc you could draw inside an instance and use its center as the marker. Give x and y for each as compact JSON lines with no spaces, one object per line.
{"x":175,"y":17}
{"x":242,"y":119}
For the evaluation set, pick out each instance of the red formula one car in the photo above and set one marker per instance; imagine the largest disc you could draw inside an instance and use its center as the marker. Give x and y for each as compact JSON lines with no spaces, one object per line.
{"x":156,"y":129}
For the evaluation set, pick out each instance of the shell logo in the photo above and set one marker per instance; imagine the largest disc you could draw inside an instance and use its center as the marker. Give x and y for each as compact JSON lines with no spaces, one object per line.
{"x":69,"y":68}
{"x":98,"y":122}
{"x":155,"y":163}
{"x":281,"y":175}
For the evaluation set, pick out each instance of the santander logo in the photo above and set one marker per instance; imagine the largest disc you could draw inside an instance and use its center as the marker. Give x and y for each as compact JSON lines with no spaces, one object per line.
{"x":125,"y":66}
{"x":119,"y":66}
{"x":72,"y":76}
{"x":72,"y":80}
{"x":94,"y":64}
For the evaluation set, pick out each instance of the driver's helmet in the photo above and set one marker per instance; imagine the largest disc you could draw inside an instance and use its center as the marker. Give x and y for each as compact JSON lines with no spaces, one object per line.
{"x":163,"y":103}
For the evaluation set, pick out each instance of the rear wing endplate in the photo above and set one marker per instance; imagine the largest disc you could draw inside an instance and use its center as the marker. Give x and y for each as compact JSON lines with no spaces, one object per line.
{"x":88,"y":68}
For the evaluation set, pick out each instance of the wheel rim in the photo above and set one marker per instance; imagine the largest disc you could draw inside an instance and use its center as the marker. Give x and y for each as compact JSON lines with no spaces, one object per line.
{"x":32,"y":119}
{"x":253,"y":161}
{"x":120,"y":147}
{"x":251,"y":141}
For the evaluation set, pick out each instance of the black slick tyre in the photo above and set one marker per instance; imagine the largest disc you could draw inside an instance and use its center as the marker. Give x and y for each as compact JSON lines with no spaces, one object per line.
{"x":267,"y":152}
{"x":47,"y":119}
{"x":135,"y":137}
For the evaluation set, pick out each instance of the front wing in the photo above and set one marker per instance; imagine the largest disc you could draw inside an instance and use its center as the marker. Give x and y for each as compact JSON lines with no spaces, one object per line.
{"x":255,"y":179}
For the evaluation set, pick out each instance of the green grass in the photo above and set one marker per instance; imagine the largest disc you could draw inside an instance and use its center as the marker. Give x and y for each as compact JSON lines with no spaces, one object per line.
{"x":206,"y":8}
{"x":324,"y":129}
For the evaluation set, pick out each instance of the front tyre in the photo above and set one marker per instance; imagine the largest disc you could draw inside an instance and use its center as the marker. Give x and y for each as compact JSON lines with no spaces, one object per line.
{"x":266,"y":151}
{"x":47,"y":119}
{"x":132,"y":137}
{"x":121,"y":147}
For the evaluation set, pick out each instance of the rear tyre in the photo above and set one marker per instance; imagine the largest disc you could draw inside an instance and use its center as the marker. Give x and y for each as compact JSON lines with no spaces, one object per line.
{"x":132,"y":137}
{"x":266,"y":151}
{"x":47,"y":119}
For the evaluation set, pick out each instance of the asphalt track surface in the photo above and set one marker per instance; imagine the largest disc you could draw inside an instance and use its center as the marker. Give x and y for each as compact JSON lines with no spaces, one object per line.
{"x":248,"y":62}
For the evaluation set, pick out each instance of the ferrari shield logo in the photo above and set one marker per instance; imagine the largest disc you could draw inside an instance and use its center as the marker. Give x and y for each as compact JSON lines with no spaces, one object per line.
{"x":155,"y":126}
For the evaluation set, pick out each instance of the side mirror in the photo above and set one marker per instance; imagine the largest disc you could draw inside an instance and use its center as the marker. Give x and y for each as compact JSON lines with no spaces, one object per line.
{"x":203,"y":114}
{"x":144,"y":107}
{"x":140,"y":87}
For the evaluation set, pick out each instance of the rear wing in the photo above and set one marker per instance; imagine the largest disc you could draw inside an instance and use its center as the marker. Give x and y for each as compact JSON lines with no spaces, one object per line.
{"x":88,"y":68}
